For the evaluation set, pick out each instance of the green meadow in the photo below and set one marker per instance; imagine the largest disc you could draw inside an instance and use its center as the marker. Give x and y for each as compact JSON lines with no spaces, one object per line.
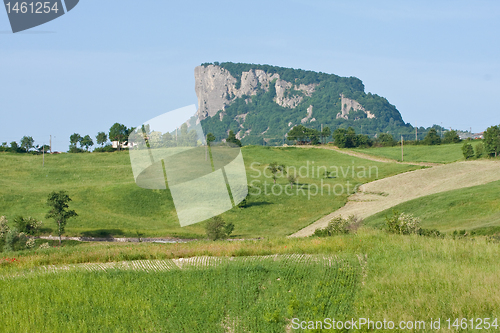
{"x":109,"y":203}
{"x":473,"y":208}
{"x":445,"y":153}
{"x":374,"y":275}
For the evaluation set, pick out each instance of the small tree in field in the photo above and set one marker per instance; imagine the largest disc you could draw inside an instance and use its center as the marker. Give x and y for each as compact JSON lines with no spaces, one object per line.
{"x":217,"y":228}
{"x":276,"y":168}
{"x":58,"y":201}
{"x":467,"y":150}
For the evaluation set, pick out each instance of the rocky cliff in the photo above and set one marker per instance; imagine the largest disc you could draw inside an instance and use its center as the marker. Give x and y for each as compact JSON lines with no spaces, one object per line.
{"x":216,"y":88}
{"x":261,"y":103}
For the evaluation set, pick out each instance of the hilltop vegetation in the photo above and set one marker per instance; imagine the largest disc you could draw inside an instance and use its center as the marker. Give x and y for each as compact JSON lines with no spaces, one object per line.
{"x":265,"y":115}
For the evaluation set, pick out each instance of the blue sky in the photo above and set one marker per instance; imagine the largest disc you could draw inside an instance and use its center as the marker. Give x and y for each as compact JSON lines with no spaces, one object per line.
{"x":130,"y":61}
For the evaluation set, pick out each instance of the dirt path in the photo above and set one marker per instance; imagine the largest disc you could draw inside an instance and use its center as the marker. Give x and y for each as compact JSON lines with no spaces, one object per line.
{"x":385,"y":193}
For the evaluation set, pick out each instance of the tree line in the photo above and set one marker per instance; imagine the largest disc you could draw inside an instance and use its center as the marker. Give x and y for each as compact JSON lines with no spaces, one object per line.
{"x":348,"y":138}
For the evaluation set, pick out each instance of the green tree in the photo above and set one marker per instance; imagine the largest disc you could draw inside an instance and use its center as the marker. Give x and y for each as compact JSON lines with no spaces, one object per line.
{"x":27,"y":143}
{"x":74,"y":139}
{"x":276,"y":168}
{"x":87,"y":142}
{"x":432,"y":138}
{"x":479,"y":150}
{"x":339,"y":137}
{"x":451,"y":137}
{"x":210,"y":138}
{"x":492,"y":141}
{"x":386,"y":140}
{"x":14,"y":147}
{"x":325,"y":134}
{"x":216,"y":228}
{"x":101,"y":138}
{"x":119,"y":132}
{"x":297,"y":134}
{"x":467,"y":150}
{"x":58,"y":201}
{"x":231,"y":138}
{"x":292,"y":179}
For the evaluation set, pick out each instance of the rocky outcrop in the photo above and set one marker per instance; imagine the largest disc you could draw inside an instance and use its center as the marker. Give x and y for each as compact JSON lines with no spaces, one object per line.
{"x":216,"y":89}
{"x":349,"y":105}
{"x":309,"y":115}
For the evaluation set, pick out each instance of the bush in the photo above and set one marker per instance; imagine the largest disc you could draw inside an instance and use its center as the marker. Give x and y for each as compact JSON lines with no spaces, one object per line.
{"x":467,"y":150}
{"x":339,"y":226}
{"x":458,"y":234}
{"x":15,"y":240}
{"x":479,"y":150}
{"x":28,"y":225}
{"x":105,"y":149}
{"x":216,"y":228}
{"x":430,"y":233}
{"x":403,"y":224}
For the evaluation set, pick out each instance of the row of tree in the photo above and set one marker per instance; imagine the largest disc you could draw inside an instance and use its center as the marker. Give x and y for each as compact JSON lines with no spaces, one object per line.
{"x":347,"y":138}
{"x":117,"y":132}
{"x":27,"y":145}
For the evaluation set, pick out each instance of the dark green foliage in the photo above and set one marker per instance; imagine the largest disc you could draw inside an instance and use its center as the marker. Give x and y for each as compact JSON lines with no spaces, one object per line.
{"x":430,"y":233}
{"x":231,"y":138}
{"x":339,"y":226}
{"x":28,"y":225}
{"x":105,"y":149}
{"x":492,"y":140}
{"x":216,"y":228}
{"x":479,"y":150}
{"x":58,"y":202}
{"x":349,"y":139}
{"x":385,"y":140}
{"x":210,"y":138}
{"x":432,"y":138}
{"x":27,"y":143}
{"x":459,"y":234}
{"x":101,"y":138}
{"x":266,"y":121}
{"x":87,"y":142}
{"x":451,"y":137}
{"x":467,"y":150}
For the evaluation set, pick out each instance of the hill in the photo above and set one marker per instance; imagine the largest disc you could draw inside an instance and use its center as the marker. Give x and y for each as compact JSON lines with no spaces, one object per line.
{"x":261,"y":103}
{"x":110,"y":203}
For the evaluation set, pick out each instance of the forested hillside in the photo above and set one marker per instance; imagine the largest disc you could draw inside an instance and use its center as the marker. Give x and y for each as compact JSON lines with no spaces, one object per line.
{"x":258,"y":118}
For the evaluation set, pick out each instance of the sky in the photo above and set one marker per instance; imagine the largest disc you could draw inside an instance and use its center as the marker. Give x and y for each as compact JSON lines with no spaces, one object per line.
{"x":129,"y":61}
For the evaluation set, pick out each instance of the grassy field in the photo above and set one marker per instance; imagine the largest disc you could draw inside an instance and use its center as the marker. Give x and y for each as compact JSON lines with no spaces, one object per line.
{"x":433,"y":154}
{"x":241,"y":295}
{"x":395,"y":278}
{"x":470,"y":208}
{"x":110,"y":203}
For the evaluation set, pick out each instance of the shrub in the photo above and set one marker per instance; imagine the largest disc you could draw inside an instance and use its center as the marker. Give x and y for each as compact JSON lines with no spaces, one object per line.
{"x":467,"y":150}
{"x":430,"y":233}
{"x":403,"y":224}
{"x":15,"y":240}
{"x":44,"y":246}
{"x":458,"y":234}
{"x":27,"y":225}
{"x":105,"y":149}
{"x":216,"y":228}
{"x":339,"y":226}
{"x":479,"y":150}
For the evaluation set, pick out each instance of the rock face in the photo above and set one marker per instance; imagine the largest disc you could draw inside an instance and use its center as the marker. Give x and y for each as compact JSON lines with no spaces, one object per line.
{"x":350,"y":104}
{"x":216,"y":89}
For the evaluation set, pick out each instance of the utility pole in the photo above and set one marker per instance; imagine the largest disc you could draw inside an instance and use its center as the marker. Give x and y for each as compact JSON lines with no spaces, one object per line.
{"x":402,"y":149}
{"x":50,"y":143}
{"x":416,"y":134}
